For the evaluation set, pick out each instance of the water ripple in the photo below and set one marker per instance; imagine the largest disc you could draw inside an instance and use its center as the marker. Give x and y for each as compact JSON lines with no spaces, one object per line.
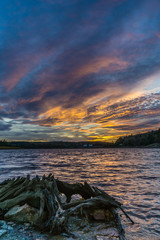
{"x":130,"y":175}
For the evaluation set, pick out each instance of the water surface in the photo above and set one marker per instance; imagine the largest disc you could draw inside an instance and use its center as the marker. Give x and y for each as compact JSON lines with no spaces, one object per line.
{"x":130,"y":175}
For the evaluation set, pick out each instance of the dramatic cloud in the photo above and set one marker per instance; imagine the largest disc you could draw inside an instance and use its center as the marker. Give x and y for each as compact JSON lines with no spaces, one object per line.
{"x":4,"y":126}
{"x":78,"y":70}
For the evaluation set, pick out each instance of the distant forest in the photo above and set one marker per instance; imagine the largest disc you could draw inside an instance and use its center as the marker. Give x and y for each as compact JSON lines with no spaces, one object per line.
{"x":150,"y":139}
{"x":143,"y":139}
{"x":54,"y":144}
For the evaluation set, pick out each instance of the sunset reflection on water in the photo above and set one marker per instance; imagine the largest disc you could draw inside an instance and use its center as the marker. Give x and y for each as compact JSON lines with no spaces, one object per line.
{"x":130,"y":175}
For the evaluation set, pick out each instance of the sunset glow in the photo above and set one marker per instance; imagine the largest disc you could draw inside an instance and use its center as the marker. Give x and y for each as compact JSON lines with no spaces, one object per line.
{"x":79,"y":70}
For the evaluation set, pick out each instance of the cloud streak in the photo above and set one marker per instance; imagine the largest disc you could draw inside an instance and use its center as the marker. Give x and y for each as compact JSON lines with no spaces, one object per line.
{"x":72,"y":65}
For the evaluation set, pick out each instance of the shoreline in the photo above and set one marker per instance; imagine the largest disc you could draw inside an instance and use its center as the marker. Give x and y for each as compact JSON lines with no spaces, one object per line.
{"x":119,"y":147}
{"x":58,"y":208}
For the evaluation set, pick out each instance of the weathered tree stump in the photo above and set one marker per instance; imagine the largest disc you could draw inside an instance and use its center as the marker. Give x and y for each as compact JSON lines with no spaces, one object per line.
{"x":44,"y":194}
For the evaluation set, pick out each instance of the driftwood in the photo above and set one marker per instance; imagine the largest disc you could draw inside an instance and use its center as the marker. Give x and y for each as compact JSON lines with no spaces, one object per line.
{"x":44,"y":194}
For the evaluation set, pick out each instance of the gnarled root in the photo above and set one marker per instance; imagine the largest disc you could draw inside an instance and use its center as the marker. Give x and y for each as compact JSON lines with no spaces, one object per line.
{"x":44,"y":195}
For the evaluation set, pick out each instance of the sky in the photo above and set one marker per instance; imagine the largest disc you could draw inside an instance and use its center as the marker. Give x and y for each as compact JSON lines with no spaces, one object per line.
{"x":79,"y":70}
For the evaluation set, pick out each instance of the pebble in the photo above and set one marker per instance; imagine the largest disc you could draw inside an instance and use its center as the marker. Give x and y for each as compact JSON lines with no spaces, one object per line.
{"x":64,"y":234}
{"x":3,"y":225}
{"x":11,"y":223}
{"x":26,"y":224}
{"x":10,"y":228}
{"x":98,"y":237}
{"x":39,"y":239}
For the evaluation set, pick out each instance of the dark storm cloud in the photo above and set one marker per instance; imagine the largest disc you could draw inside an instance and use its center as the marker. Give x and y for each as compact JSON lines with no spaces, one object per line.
{"x":5,"y":126}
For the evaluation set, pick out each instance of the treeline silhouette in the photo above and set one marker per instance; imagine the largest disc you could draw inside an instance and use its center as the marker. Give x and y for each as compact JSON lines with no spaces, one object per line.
{"x":4,"y":143}
{"x":55,"y":144}
{"x":138,"y":140}
{"x":143,"y":139}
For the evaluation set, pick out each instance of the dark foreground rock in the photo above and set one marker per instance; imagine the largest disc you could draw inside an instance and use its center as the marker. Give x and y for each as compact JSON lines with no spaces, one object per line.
{"x":12,"y":231}
{"x":58,"y":209}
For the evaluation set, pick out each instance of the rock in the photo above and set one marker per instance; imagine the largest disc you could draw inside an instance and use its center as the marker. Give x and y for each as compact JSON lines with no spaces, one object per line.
{"x":63,"y":198}
{"x":39,"y":239}
{"x":10,"y":223}
{"x":27,"y":224}
{"x":65,"y":234}
{"x":3,"y":225}
{"x":10,"y":228}
{"x":99,"y":214}
{"x":76,"y":197}
{"x":109,"y":233}
{"x":22,"y":214}
{"x":98,"y":237}
{"x":2,"y":232}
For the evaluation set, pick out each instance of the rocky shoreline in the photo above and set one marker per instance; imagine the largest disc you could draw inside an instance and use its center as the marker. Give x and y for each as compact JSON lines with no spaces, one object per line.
{"x":13,"y":231}
{"x":45,"y":208}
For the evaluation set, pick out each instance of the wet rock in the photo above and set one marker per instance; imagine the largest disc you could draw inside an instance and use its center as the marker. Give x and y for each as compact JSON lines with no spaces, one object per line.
{"x":3,"y":225}
{"x":102,"y":214}
{"x":63,"y":198}
{"x":39,"y":239}
{"x":2,"y":232}
{"x":10,"y":228}
{"x":26,"y":224}
{"x":22,"y":214}
{"x":108,"y":234}
{"x":76,"y":197}
{"x":11,"y":223}
{"x":105,"y":238}
{"x":99,"y":214}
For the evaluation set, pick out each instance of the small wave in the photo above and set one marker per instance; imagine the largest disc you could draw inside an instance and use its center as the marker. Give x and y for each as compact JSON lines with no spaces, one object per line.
{"x":131,"y":174}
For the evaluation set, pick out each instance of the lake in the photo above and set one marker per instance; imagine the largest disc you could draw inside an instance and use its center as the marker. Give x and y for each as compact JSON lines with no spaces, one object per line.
{"x":130,"y":175}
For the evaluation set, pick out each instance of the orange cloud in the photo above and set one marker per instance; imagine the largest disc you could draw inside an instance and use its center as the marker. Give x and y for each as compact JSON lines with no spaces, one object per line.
{"x":10,"y":82}
{"x":104,"y":122}
{"x":23,"y":68}
{"x":106,"y":63}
